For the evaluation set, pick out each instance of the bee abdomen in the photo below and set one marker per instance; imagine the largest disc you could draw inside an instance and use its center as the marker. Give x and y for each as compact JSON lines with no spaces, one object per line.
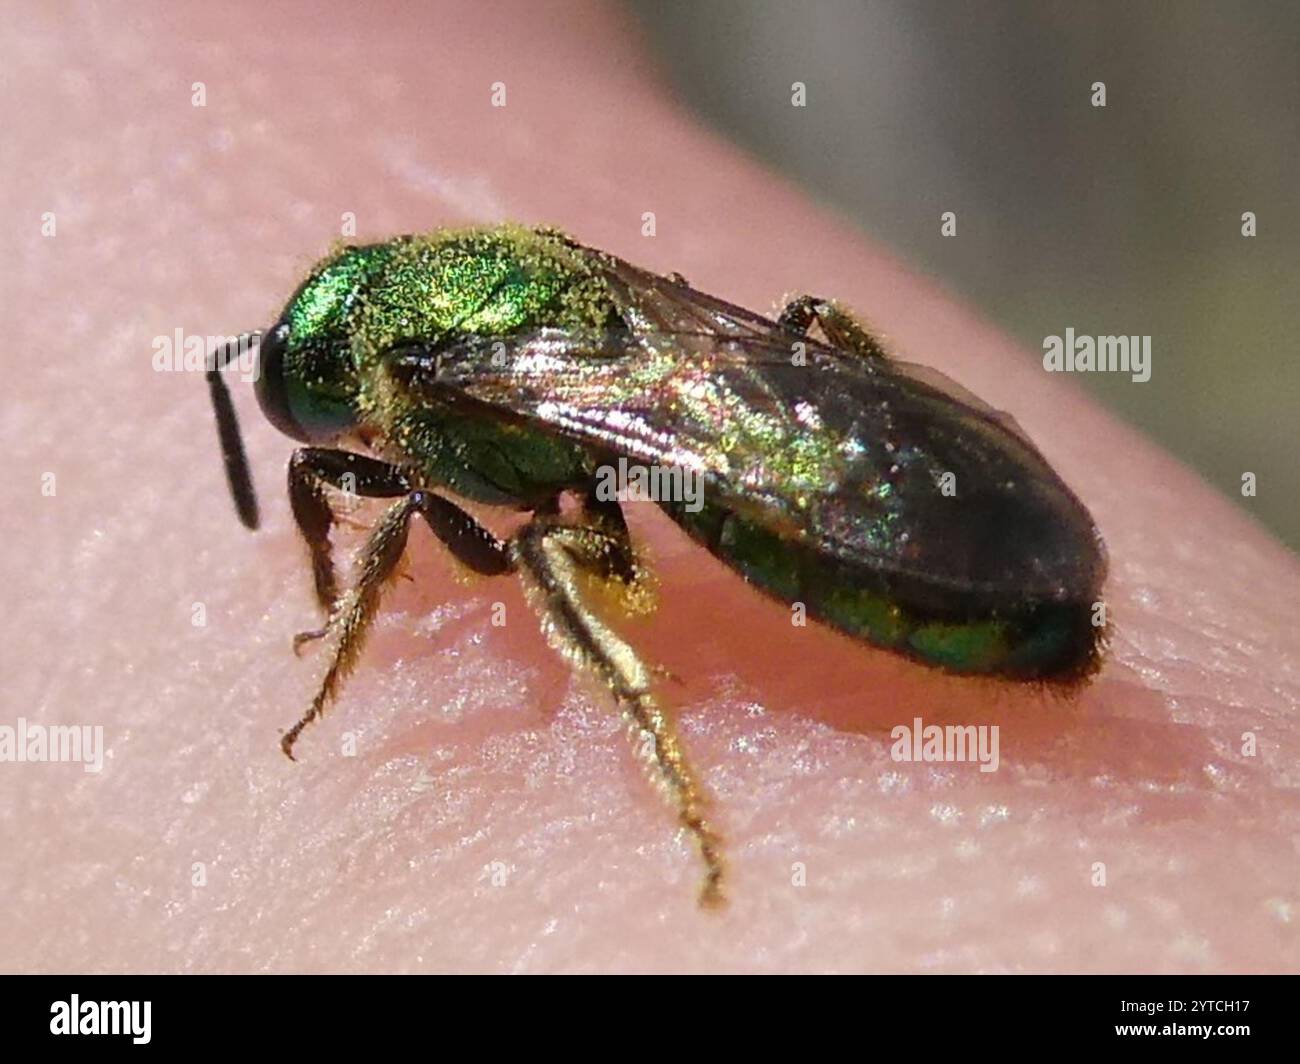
{"x":962,"y":632}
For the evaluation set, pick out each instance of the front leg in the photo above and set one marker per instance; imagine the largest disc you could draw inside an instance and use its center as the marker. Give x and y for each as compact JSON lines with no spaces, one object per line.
{"x":552,"y":557}
{"x":311,"y":470}
{"x":469,"y":542}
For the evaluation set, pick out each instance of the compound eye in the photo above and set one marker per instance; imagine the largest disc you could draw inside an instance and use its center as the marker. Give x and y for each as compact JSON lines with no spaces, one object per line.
{"x":272,"y":394}
{"x":307,"y":390}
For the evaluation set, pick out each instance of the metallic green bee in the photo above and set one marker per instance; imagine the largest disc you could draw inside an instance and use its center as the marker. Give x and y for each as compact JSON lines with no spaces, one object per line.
{"x":510,"y":366}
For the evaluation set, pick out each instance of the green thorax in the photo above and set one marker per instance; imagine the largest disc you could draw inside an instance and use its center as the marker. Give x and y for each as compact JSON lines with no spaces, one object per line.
{"x":437,"y":289}
{"x":476,"y":283}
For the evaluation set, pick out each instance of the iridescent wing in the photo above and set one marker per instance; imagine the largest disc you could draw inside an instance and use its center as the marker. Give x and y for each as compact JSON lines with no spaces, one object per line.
{"x":876,"y":462}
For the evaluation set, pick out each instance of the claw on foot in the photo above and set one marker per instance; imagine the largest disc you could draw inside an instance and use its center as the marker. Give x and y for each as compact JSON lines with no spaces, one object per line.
{"x":302,"y":638}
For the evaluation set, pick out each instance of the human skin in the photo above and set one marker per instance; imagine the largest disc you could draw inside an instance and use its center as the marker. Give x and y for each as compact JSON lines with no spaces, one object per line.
{"x":493,"y":817}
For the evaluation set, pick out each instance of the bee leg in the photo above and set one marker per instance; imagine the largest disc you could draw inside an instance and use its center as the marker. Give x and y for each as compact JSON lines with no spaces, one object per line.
{"x":841,"y":328}
{"x":311,"y":469}
{"x":469,"y":542}
{"x":551,"y":558}
{"x":618,"y":560}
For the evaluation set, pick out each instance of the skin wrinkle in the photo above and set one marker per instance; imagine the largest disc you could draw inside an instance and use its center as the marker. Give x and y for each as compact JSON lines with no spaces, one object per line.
{"x":479,"y":757}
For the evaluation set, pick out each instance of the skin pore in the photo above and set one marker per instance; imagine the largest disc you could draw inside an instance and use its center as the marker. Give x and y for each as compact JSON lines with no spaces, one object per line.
{"x":492,"y":816}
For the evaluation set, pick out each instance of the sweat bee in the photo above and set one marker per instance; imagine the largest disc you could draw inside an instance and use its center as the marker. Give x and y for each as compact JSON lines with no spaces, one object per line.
{"x":510,"y":366}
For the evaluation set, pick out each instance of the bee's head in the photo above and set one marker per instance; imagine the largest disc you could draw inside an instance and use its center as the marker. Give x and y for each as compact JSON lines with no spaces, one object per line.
{"x":306,"y":379}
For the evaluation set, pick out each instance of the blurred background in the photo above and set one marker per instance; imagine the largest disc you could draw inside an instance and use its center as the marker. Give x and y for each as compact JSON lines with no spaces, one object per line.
{"x":1125,"y":219}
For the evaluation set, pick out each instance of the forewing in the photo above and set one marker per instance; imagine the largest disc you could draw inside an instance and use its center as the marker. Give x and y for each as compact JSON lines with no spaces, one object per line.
{"x":880,"y":463}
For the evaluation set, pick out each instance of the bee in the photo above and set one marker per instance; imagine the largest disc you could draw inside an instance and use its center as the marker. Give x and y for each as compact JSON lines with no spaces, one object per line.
{"x":511,"y":366}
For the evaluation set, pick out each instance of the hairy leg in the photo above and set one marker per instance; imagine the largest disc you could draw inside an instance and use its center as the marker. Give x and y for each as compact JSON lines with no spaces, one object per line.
{"x":470,"y":543}
{"x":841,"y":328}
{"x":311,"y":471}
{"x":551,"y":558}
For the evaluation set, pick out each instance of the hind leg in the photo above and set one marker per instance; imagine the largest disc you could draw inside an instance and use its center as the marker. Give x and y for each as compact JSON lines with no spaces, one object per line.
{"x":552,"y":559}
{"x":840,"y":327}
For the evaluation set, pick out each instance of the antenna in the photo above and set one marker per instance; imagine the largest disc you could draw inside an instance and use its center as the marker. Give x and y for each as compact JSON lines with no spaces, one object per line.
{"x":232,"y":444}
